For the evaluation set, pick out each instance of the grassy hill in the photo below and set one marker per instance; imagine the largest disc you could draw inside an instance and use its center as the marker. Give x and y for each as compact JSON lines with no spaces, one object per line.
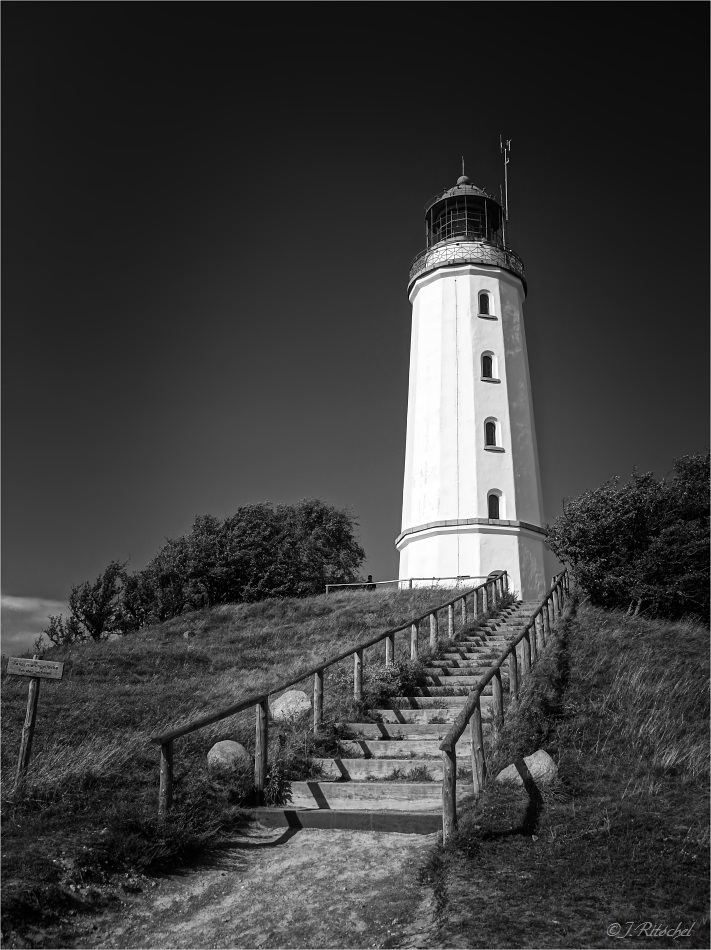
{"x":90,"y":806}
{"x":622,"y":705}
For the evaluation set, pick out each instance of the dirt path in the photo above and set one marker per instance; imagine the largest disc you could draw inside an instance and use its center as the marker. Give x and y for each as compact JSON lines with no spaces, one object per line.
{"x":304,"y":888}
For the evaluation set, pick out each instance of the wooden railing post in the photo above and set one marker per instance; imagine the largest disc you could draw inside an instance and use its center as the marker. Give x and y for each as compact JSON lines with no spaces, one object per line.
{"x":318,"y":700}
{"x":498,"y":703}
{"x":478,"y":760}
{"x":358,"y":675}
{"x":540,"y":638}
{"x":449,"y":794}
{"x":506,"y":582}
{"x":554,"y":599}
{"x":434,"y":631}
{"x":390,"y":650}
{"x":513,"y":675}
{"x":493,"y":594}
{"x":464,"y":611}
{"x":261,"y":755}
{"x":534,"y":644}
{"x":546,"y":618}
{"x":484,"y":599}
{"x":414,"y":653}
{"x":165,"y":792}
{"x":527,"y":653}
{"x":450,"y":622}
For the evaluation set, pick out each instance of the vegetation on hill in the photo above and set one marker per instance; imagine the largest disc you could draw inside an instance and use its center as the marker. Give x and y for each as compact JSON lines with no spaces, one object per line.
{"x":260,"y":551}
{"x":621,"y":703}
{"x":644,"y":543}
{"x":89,"y":811}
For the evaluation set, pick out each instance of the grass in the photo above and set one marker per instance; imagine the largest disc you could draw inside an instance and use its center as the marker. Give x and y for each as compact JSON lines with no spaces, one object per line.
{"x":621,"y":704}
{"x":89,"y":809}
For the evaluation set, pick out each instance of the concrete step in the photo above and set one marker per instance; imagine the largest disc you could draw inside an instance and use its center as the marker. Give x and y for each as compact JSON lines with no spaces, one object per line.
{"x":402,"y":749}
{"x":409,"y":732}
{"x":433,"y":701}
{"x":465,"y":681}
{"x":386,"y":770}
{"x":328,"y":819}
{"x":460,"y":669}
{"x":427,"y":714}
{"x":450,"y":691}
{"x":373,"y":796}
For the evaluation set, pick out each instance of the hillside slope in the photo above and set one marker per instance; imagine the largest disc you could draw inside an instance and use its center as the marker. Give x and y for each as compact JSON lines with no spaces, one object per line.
{"x":622,"y":705}
{"x":90,"y":807}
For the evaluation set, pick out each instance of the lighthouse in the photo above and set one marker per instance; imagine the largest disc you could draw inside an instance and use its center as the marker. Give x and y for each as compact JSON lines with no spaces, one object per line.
{"x":472,"y":491}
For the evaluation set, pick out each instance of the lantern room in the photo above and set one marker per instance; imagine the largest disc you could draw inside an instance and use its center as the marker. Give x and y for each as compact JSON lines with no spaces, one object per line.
{"x":464,"y":213}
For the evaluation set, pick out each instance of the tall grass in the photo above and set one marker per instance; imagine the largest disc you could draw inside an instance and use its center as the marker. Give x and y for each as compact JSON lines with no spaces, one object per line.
{"x":91,"y":792}
{"x":622,"y":705}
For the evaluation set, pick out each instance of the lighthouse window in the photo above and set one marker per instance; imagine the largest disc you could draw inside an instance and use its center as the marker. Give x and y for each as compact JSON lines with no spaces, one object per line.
{"x":494,"y":506}
{"x":490,"y":433}
{"x":484,"y":304}
{"x":486,"y":367}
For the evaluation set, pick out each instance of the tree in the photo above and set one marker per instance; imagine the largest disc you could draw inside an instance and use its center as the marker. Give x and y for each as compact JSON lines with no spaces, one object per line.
{"x":645,"y":541}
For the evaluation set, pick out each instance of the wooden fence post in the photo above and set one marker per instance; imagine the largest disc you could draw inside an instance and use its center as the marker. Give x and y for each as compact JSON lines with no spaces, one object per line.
{"x":526,"y":653}
{"x":546,"y":618}
{"x":484,"y":600}
{"x":318,"y":700}
{"x":540,"y":638}
{"x":414,"y":653}
{"x":513,"y":675}
{"x":478,"y":760}
{"x":434,"y":631}
{"x":261,"y":755}
{"x":449,"y":794}
{"x":534,"y":644}
{"x":464,"y":611}
{"x":165,"y":792}
{"x":450,"y":622}
{"x":390,"y":649}
{"x":358,"y":676}
{"x":498,"y":704}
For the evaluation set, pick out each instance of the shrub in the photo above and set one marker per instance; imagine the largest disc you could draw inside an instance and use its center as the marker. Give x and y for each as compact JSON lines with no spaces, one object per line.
{"x":644,"y":542}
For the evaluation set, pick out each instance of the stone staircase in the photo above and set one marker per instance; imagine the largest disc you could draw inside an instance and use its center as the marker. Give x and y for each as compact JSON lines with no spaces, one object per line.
{"x":394,"y":766}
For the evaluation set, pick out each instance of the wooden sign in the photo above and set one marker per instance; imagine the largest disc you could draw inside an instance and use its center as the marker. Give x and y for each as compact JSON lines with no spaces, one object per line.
{"x":36,"y":669}
{"x":46,"y":669}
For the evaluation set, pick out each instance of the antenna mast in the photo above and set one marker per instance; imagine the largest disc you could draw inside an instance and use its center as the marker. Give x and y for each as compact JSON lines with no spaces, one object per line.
{"x":505,"y":149}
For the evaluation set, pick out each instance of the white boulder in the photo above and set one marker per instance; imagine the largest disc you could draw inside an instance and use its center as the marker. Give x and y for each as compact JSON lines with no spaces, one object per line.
{"x":541,"y":766}
{"x":291,"y":705}
{"x":114,"y":636}
{"x":228,"y":756}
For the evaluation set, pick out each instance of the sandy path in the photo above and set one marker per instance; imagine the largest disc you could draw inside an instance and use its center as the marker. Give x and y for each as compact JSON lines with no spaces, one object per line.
{"x":304,"y":888}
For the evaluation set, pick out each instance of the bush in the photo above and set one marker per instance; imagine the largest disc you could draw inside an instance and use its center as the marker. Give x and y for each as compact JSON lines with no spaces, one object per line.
{"x":645,"y":542}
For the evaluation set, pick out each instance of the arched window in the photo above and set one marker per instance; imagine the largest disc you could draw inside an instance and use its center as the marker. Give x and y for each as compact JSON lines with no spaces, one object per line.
{"x":494,"y":506}
{"x":484,"y":304}
{"x":487,"y":367}
{"x":490,"y":433}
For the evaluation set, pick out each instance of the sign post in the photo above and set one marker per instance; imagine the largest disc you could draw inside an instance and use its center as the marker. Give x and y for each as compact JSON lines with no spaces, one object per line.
{"x":36,"y":669}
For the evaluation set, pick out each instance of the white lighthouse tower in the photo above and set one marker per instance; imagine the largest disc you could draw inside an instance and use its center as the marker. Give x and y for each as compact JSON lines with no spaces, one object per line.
{"x":472,"y":495}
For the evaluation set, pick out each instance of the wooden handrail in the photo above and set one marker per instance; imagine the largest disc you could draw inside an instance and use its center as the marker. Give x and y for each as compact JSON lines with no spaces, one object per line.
{"x":256,"y":698}
{"x":472,"y":705}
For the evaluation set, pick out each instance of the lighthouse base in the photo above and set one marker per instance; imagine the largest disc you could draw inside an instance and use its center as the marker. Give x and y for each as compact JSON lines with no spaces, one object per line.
{"x":476,"y":548}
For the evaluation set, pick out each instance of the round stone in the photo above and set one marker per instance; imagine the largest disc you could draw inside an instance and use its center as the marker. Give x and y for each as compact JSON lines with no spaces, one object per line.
{"x":541,"y":766}
{"x":228,"y":756}
{"x":291,"y":705}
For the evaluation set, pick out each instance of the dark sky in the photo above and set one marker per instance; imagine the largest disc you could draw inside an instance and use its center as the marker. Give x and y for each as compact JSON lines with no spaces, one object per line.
{"x":209,"y":216}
